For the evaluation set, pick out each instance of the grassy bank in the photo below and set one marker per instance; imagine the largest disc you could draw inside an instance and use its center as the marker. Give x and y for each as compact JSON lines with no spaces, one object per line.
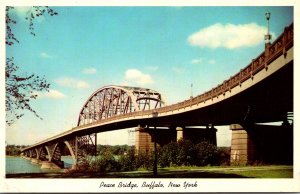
{"x":180,"y":172}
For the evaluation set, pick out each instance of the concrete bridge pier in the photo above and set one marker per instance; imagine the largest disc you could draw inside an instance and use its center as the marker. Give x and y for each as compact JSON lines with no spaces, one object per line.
{"x":197,"y":134}
{"x":144,"y":136}
{"x":35,"y":161}
{"x":261,"y":143}
{"x":49,"y":165}
{"x":242,"y":147}
{"x":144,"y":140}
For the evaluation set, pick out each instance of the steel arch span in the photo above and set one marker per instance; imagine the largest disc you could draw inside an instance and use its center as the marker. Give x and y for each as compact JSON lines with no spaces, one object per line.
{"x":114,"y":100}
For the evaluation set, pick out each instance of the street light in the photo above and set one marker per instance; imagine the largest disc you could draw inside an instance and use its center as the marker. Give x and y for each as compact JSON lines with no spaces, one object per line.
{"x":154,"y":116}
{"x":268,"y":35}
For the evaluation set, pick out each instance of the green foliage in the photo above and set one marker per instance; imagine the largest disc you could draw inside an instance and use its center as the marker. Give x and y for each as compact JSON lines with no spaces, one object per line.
{"x":115,"y":158}
{"x":185,"y":153}
{"x":144,"y":160}
{"x":13,"y":150}
{"x":115,"y":150}
{"x":224,"y":156}
{"x":206,"y":154}
{"x":167,"y":155}
{"x":105,"y":163}
{"x":128,"y":161}
{"x":181,"y":153}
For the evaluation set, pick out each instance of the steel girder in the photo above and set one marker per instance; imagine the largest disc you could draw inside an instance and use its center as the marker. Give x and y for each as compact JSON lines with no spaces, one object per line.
{"x":110,"y":101}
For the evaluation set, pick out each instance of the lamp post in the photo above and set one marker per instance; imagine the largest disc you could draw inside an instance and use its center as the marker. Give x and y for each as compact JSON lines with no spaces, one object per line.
{"x":191,"y":91}
{"x":268,"y":35}
{"x":154,"y":115}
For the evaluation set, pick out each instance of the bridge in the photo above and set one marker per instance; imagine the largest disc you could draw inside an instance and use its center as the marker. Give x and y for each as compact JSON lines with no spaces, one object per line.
{"x":259,"y":93}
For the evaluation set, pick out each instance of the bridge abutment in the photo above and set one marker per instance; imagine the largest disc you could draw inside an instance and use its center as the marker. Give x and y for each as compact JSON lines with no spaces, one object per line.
{"x":35,"y":161}
{"x":49,"y":165}
{"x":197,"y":134}
{"x":144,"y":141}
{"x":262,"y":144}
{"x":242,"y":148}
{"x":179,"y":133}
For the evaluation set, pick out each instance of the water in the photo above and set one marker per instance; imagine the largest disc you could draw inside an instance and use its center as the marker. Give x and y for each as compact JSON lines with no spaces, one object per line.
{"x":15,"y":165}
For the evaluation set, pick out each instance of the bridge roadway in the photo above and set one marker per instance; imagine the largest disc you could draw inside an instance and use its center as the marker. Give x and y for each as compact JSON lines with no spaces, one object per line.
{"x":260,"y":92}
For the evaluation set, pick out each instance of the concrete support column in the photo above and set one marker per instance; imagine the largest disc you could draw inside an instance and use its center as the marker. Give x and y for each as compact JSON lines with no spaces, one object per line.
{"x":143,"y":141}
{"x":212,"y":135}
{"x":35,"y":161}
{"x":197,"y":134}
{"x":49,"y":165}
{"x":242,"y":149}
{"x":179,"y":133}
{"x":37,"y":153}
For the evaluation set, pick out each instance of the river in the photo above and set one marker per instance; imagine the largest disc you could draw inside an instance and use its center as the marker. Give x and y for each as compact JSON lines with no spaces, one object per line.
{"x":14,"y":165}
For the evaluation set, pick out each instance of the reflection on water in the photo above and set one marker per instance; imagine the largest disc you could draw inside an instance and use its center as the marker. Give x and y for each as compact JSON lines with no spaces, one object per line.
{"x":68,"y":161}
{"x":15,"y":165}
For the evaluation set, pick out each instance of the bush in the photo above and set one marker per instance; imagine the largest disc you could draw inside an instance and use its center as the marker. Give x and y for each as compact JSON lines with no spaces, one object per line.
{"x":177,"y":154}
{"x":167,"y":155}
{"x":105,"y":163}
{"x":144,"y":160}
{"x":186,"y":153}
{"x":127,"y":161}
{"x":181,"y":153}
{"x":207,"y":154}
{"x":224,"y":156}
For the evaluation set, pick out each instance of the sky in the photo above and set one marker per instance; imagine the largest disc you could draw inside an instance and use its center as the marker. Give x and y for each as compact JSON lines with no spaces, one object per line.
{"x":163,"y":48}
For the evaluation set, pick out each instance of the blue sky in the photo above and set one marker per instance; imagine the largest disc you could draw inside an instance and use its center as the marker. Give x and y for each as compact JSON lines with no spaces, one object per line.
{"x":162,"y":48}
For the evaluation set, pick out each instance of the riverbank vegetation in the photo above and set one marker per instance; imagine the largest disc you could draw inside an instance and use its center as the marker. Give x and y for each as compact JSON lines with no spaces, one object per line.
{"x":13,"y":150}
{"x":175,"y":154}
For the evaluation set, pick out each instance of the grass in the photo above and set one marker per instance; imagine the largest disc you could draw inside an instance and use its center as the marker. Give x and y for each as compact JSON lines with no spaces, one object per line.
{"x":178,"y":172}
{"x":280,"y":173}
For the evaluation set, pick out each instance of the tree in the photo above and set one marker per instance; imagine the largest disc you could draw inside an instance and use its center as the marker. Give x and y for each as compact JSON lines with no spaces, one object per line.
{"x":168,"y":155}
{"x":20,"y":90}
{"x":207,"y":154}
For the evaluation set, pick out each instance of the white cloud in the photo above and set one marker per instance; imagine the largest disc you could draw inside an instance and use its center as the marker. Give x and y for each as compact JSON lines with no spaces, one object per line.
{"x":90,"y":70}
{"x":137,"y":77}
{"x":72,"y":83}
{"x":23,"y":11}
{"x":228,"y":36}
{"x":45,"y":55}
{"x":203,"y":61}
{"x":152,"y":68}
{"x":178,"y":70}
{"x":212,"y":61}
{"x":52,"y":94}
{"x":197,"y":61}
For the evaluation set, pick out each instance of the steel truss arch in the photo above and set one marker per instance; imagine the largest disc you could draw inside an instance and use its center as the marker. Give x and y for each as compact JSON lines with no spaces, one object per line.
{"x":114,"y":100}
